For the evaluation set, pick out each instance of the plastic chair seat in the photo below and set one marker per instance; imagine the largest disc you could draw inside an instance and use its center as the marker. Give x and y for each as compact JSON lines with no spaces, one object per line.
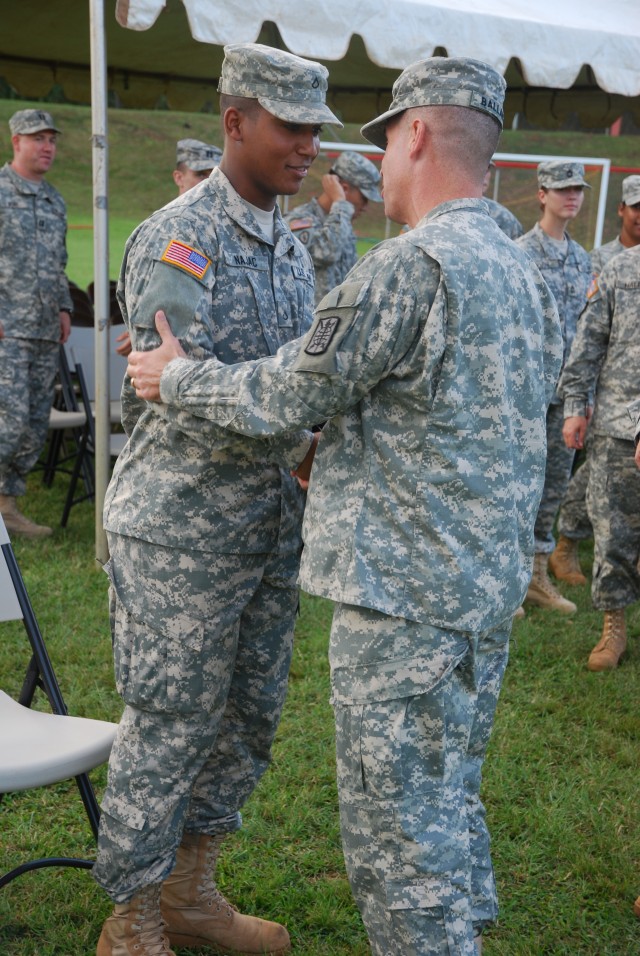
{"x":38,"y":748}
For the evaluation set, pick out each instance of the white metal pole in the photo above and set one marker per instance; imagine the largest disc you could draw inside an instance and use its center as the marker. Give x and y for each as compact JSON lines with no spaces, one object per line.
{"x":100,"y":265}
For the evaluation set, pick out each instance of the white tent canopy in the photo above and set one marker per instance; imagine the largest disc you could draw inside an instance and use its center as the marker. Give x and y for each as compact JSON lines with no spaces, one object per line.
{"x":552,"y":39}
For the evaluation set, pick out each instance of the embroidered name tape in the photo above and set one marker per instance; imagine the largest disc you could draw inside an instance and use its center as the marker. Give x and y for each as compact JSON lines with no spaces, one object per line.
{"x":322,"y":335}
{"x":183,"y":256}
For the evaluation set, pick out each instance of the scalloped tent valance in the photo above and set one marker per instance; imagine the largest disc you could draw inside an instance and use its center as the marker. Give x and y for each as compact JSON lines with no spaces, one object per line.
{"x":558,"y":56}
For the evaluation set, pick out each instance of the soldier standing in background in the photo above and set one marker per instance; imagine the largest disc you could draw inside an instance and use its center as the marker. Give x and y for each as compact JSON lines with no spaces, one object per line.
{"x":324,"y":224}
{"x":604,"y":359}
{"x":573,"y":521}
{"x":433,"y":364}
{"x":566,"y":268}
{"x":35,"y":306}
{"x":194,"y":162}
{"x":205,"y":533}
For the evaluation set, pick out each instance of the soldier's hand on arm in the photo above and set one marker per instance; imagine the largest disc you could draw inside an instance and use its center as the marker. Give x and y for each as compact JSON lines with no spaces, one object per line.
{"x":125,"y":339}
{"x":574,"y":430}
{"x":303,"y":471}
{"x":145,"y":368}
{"x":65,"y":326}
{"x":332,"y":187}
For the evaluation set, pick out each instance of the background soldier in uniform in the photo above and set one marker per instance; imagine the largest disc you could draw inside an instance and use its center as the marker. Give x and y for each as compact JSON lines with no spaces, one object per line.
{"x":324,"y":224}
{"x":567,"y":269}
{"x":573,"y":521}
{"x":194,"y":162}
{"x":35,"y":306}
{"x":433,"y":362}
{"x":204,"y":535}
{"x":605,"y":354}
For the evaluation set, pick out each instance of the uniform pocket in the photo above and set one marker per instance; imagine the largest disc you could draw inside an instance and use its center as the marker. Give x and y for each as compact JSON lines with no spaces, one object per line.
{"x":158,"y":661}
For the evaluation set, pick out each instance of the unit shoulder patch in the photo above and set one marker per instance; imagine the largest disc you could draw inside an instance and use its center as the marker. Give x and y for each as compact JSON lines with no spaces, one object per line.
{"x":324,"y":331}
{"x":186,"y":257}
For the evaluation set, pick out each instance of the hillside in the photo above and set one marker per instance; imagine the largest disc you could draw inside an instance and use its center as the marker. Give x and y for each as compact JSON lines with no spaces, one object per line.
{"x":142,"y":155}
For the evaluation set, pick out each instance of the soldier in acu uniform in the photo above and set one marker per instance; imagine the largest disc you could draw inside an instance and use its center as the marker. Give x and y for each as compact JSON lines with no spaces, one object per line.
{"x":433,"y":364}
{"x":566,"y":268}
{"x":194,"y":162}
{"x":204,"y":531}
{"x":324,"y":224}
{"x":35,"y":306}
{"x":606,"y":353}
{"x":573,"y":521}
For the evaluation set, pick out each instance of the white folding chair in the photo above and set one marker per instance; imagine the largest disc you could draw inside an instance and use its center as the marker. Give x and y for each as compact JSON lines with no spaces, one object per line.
{"x":39,"y":748}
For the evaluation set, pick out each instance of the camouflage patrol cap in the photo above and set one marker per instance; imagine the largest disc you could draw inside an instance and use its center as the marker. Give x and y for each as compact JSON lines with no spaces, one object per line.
{"x":631,"y":190}
{"x":560,"y":174}
{"x":442,"y":81}
{"x":287,"y":86}
{"x":197,"y":155}
{"x":26,"y":122}
{"x":359,"y":172}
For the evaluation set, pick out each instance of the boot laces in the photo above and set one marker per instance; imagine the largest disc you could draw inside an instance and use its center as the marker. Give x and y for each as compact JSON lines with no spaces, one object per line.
{"x":149,"y":925}
{"x":209,"y":892}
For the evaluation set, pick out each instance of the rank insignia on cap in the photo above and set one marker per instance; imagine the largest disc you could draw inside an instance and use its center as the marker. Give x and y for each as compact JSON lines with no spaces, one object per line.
{"x":322,"y":335}
{"x":183,"y":256}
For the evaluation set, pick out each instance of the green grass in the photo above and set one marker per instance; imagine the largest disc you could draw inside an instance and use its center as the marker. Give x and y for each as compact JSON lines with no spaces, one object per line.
{"x":141,"y":151}
{"x":560,"y":781}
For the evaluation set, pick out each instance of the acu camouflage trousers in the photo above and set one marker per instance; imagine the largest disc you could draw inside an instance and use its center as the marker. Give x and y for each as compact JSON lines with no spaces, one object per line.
{"x":28,"y":369}
{"x":613,"y":502}
{"x":556,"y":480}
{"x":202,"y":648}
{"x":414,"y":708}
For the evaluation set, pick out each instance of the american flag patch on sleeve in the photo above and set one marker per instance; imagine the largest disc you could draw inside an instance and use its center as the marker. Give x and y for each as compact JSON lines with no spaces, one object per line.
{"x":183,"y":256}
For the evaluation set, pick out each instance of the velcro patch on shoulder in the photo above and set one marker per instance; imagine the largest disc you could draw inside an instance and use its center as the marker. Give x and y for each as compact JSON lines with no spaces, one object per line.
{"x":300,"y":224}
{"x":326,"y":328}
{"x":185,"y":257}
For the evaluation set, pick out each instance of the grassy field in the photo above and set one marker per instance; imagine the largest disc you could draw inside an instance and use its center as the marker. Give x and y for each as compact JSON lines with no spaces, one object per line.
{"x":142,"y":155}
{"x":560,"y":781}
{"x":561,"y":778}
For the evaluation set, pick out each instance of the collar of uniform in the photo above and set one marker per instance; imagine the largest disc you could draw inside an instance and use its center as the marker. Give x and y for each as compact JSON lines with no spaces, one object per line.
{"x":549,"y":245}
{"x":455,"y":205}
{"x":236,"y":208}
{"x":26,"y":186}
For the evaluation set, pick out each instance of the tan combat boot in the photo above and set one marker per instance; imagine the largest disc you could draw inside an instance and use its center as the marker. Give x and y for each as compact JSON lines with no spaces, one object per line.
{"x":197,"y":914}
{"x":636,"y":907}
{"x":541,"y":591}
{"x":17,"y":523}
{"x":612,"y":644}
{"x":135,"y":928}
{"x":564,"y":563}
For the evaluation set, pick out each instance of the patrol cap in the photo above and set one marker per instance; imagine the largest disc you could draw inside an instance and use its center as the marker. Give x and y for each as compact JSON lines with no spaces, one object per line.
{"x":558,"y":174}
{"x":631,"y":190}
{"x":197,"y":155}
{"x":287,"y":86}
{"x":442,"y":81}
{"x":360,"y":172}
{"x":25,"y":122}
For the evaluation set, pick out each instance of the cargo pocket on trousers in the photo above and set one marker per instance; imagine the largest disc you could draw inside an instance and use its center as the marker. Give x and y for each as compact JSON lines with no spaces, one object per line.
{"x":449,"y":922}
{"x":158,"y":662}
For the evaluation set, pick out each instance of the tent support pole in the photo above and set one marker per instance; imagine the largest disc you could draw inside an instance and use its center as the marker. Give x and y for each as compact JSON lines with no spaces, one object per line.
{"x":100,"y":265}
